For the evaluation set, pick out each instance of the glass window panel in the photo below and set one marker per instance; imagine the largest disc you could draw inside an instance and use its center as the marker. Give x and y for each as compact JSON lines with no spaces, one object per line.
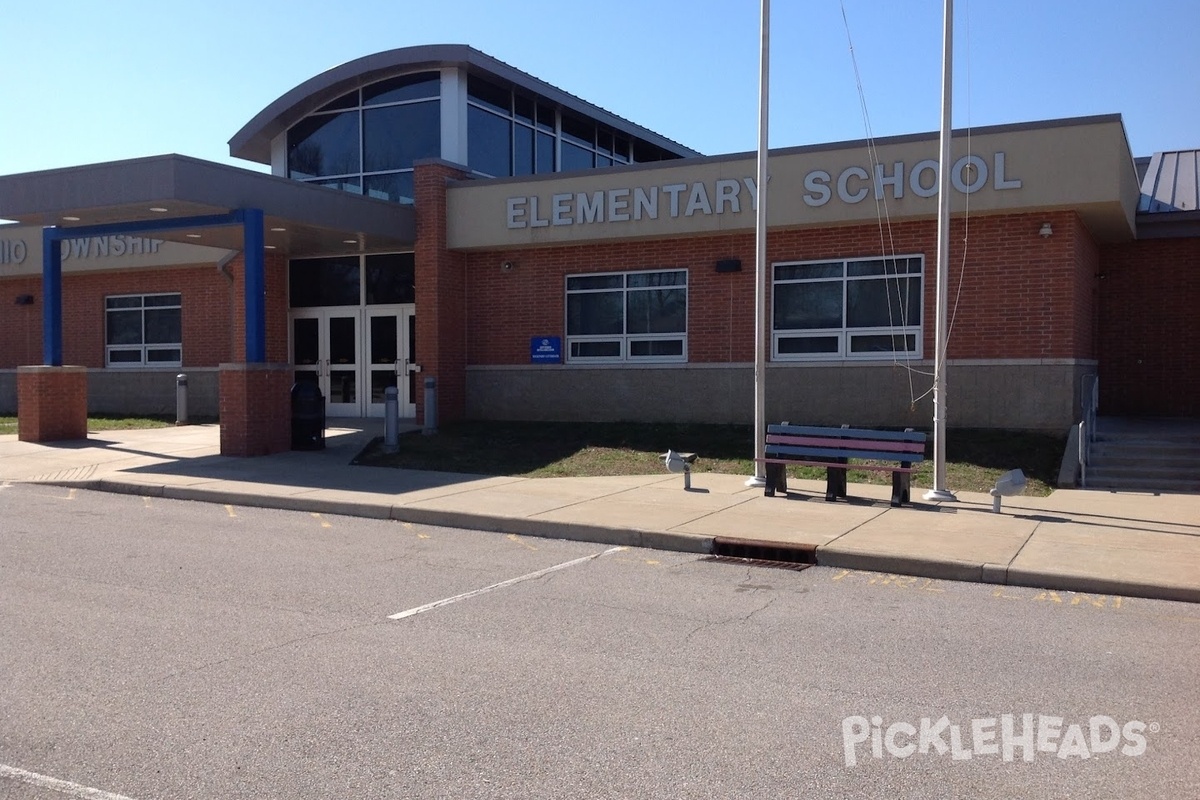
{"x":380,"y":381}
{"x":488,"y":94}
{"x":574,"y":157}
{"x":343,"y":347}
{"x":163,"y":355}
{"x":595,"y":349}
{"x":644,"y":151}
{"x":162,"y":326}
{"x":396,"y":186}
{"x":595,"y":314}
{"x":523,"y":108}
{"x":604,"y":142}
{"x":419,"y":86}
{"x":656,"y":347}
{"x":545,"y":153}
{"x":603,"y":161}
{"x":796,"y":272}
{"x":808,"y":305}
{"x":883,"y":303}
{"x":620,"y":149}
{"x":383,"y":340}
{"x":806,"y":345}
{"x":596,"y":282}
{"x":348,"y":100}
{"x":326,"y":144}
{"x":522,"y":150}
{"x":123,"y":302}
{"x":305,"y":342}
{"x":676,"y":277}
{"x":489,"y":143}
{"x":883,"y":343}
{"x":396,"y":136}
{"x":125,"y":356}
{"x":578,"y":130}
{"x":342,"y":386}
{"x":352,"y":185}
{"x":162,"y":300}
{"x":390,"y":278}
{"x":323,"y":282}
{"x":125,"y":327}
{"x":545,"y":118}
{"x":657,"y":311}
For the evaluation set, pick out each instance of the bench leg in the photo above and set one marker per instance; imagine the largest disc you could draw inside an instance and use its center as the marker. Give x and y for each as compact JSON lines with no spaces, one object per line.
{"x":776,"y":476}
{"x":835,"y":484}
{"x":901,"y":481}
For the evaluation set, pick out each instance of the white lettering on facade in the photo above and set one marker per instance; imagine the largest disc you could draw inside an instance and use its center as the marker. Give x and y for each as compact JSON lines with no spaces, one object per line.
{"x":13,"y":251}
{"x":844,"y":182}
{"x":853,"y":184}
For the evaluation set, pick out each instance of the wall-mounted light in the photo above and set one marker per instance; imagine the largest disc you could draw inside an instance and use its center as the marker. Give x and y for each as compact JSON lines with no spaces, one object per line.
{"x":506,"y":266}
{"x":1046,"y":231}
{"x":24,"y":300}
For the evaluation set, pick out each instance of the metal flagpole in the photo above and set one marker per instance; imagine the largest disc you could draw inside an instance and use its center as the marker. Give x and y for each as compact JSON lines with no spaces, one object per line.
{"x":760,"y":260}
{"x":939,"y":490}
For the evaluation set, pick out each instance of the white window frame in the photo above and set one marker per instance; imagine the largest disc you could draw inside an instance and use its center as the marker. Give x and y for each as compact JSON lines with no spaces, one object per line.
{"x":625,"y":339}
{"x":845,"y":334}
{"x":143,"y":349}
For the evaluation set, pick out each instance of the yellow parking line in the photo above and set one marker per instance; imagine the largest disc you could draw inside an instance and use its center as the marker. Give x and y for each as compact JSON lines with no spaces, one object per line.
{"x":229,"y":511}
{"x":317,"y":517}
{"x":512,"y":537}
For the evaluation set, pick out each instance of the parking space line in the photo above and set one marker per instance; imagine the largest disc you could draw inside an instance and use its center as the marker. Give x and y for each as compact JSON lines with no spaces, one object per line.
{"x":512,"y":537}
{"x":54,"y":784}
{"x":229,"y":511}
{"x":412,"y":612}
{"x":324,"y":524}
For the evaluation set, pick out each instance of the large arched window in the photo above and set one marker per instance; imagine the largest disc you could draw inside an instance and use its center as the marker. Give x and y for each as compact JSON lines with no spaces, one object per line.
{"x":367,"y":140}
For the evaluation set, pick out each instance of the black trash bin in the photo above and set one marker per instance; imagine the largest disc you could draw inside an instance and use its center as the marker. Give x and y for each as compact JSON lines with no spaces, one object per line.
{"x":308,"y":416}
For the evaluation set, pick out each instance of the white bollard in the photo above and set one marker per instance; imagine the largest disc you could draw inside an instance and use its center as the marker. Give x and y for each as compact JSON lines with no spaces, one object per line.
{"x":181,"y":409}
{"x":391,"y":419}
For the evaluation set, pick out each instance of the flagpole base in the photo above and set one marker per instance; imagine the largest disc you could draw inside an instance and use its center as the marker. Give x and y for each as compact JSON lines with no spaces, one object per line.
{"x":757,"y":482}
{"x":940,"y":495}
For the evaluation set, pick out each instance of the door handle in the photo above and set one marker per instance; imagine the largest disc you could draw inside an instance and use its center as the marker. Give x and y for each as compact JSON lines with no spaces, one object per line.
{"x":401,"y":366}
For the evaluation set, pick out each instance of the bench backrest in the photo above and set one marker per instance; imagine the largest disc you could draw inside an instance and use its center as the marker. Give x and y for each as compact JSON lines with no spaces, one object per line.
{"x":820,"y":442}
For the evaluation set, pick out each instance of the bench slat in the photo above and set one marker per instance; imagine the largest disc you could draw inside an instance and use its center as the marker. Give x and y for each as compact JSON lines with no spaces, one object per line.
{"x":816,"y":441}
{"x":876,"y":467}
{"x":848,"y":433}
{"x":831,"y":452}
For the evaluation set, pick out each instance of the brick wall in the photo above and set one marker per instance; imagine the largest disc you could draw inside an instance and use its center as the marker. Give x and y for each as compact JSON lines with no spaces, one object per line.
{"x":51,"y":404}
{"x":1022,"y":296}
{"x":255,"y":409}
{"x":1150,"y":305}
{"x":440,"y":295}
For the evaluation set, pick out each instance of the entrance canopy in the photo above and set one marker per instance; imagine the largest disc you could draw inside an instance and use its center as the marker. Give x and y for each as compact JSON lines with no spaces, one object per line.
{"x":299,"y":219}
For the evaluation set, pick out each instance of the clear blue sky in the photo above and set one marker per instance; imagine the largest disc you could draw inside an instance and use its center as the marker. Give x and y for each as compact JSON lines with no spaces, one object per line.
{"x":84,"y":82}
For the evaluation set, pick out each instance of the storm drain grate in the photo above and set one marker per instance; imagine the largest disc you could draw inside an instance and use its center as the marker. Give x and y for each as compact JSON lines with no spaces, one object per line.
{"x":759,"y":562}
{"x":775,"y":554}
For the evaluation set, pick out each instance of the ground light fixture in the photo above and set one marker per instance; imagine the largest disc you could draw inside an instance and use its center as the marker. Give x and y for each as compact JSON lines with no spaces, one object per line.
{"x":1009,"y":484}
{"x":680,"y":462}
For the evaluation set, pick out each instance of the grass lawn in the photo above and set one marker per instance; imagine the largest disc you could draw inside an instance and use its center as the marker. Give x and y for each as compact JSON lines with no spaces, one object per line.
{"x":103,"y":422}
{"x":974,"y":458}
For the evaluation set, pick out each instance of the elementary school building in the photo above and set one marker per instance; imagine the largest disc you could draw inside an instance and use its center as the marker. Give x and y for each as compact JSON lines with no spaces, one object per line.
{"x":434,"y":212}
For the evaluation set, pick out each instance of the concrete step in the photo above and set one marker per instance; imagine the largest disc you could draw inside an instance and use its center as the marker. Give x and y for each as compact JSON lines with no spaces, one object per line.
{"x":1143,"y":484}
{"x":1116,"y":472}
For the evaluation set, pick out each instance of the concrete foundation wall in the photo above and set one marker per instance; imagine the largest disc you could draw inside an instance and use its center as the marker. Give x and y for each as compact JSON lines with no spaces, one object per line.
{"x":133,"y":392}
{"x":1015,"y":395}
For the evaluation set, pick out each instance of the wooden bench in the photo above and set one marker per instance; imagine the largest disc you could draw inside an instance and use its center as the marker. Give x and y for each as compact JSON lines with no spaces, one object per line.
{"x":834,"y":448}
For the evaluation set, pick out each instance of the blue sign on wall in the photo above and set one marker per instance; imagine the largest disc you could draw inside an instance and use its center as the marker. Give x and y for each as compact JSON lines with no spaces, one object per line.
{"x":545,"y":350}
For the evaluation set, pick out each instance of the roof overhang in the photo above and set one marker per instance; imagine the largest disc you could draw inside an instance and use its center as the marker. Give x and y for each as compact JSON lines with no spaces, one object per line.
{"x":300,"y":219}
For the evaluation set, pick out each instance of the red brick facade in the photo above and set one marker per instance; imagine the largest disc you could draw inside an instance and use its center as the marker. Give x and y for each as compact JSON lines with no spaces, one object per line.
{"x":51,"y":404}
{"x":1150,"y":332}
{"x":256,"y":409}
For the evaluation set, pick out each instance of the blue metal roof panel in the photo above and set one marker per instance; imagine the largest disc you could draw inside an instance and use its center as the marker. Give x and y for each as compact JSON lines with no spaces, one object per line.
{"x":1171,"y":183}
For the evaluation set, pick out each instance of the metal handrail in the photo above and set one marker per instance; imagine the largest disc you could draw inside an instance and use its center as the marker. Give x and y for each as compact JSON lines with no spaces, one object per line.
{"x":1089,"y":399}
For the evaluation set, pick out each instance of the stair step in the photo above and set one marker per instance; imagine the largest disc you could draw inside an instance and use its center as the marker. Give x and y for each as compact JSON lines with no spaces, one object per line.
{"x":1149,"y":485}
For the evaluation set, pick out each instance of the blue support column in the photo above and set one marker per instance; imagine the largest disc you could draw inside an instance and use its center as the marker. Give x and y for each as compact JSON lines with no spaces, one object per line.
{"x":51,"y":298}
{"x":256,"y":297}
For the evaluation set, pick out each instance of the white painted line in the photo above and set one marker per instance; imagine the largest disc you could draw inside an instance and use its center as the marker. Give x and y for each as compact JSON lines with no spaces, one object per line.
{"x":54,"y":784}
{"x":412,"y":612}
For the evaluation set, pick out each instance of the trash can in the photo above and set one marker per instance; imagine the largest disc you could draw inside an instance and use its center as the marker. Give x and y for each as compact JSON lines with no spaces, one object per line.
{"x":308,"y":416}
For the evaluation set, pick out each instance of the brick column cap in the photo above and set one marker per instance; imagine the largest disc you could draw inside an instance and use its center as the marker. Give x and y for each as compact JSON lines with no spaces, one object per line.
{"x":36,"y":368}
{"x":240,"y":366}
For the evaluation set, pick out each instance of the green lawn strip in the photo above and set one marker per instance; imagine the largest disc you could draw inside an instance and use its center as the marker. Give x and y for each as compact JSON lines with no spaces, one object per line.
{"x":103,"y":422}
{"x":974,"y":458}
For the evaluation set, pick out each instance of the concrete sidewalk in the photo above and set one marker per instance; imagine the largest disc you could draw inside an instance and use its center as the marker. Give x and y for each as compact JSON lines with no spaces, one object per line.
{"x":1136,"y":544}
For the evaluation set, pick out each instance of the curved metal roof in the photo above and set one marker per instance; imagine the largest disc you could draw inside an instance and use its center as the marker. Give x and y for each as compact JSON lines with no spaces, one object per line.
{"x":253,"y":141}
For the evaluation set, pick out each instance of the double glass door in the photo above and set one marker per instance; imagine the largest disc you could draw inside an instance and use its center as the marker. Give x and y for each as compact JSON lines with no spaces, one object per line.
{"x":355,"y":354}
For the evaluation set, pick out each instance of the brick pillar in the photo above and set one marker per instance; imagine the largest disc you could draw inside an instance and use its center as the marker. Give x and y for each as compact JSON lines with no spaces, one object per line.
{"x":440,"y":294}
{"x":51,"y":404}
{"x":256,"y":409}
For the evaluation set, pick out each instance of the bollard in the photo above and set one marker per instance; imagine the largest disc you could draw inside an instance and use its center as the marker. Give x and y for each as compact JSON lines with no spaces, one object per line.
{"x":181,"y":411}
{"x":391,"y":419}
{"x":430,"y":407}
